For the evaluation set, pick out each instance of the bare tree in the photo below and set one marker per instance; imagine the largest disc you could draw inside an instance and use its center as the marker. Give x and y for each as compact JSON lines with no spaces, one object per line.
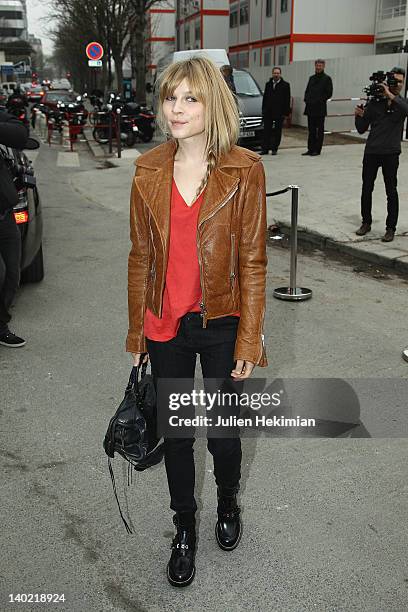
{"x":138,"y":44}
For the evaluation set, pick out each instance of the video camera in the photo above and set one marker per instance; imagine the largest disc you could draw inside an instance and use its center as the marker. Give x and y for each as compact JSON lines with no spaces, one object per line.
{"x":374,"y":91}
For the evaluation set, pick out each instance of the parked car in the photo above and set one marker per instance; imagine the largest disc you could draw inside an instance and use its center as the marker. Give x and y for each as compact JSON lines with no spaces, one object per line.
{"x":51,"y":98}
{"x":28,"y":212}
{"x":249,"y":96}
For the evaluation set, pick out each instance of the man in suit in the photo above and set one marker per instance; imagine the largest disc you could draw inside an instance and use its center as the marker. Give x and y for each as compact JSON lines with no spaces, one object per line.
{"x":319,"y":89}
{"x":275,"y":107}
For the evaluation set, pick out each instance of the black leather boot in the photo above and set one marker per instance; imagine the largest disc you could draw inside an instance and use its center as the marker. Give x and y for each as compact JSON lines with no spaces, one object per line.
{"x":228,"y":529}
{"x":181,"y":568}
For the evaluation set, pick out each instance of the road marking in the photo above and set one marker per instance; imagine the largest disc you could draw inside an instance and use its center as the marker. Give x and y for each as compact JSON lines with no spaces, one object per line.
{"x":130,"y":153}
{"x":68,"y":160}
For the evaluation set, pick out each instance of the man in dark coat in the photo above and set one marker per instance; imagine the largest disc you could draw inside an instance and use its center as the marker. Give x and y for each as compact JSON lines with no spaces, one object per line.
{"x":319,"y":89}
{"x":12,"y":134}
{"x":275,"y":107}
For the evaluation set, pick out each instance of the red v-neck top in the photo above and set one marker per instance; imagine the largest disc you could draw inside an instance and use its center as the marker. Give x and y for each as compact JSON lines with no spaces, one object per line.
{"x":182,"y":291}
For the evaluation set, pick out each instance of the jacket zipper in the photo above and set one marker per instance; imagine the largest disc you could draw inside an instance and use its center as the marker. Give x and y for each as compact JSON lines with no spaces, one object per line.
{"x":152,"y":272}
{"x":232,"y":268}
{"x":202,"y":303}
{"x":262,"y":336}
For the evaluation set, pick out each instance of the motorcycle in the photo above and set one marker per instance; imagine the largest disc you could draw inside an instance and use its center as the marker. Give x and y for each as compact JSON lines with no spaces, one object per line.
{"x":136,"y":122}
{"x":16,"y":105}
{"x":76,"y":113}
{"x":144,"y":120}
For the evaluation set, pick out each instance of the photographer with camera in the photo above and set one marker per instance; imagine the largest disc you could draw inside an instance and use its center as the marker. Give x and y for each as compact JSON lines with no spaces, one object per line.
{"x":385,"y":114}
{"x":12,"y":134}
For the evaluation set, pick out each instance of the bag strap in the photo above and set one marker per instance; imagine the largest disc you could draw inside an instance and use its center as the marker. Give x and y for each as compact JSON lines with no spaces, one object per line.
{"x":134,"y":374}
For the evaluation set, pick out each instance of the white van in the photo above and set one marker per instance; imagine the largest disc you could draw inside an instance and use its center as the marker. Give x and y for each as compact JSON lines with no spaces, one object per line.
{"x":8,"y":86}
{"x":218,"y":56}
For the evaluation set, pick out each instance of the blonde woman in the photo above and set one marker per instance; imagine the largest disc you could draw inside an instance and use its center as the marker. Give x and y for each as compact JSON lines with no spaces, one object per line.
{"x":196,"y":280}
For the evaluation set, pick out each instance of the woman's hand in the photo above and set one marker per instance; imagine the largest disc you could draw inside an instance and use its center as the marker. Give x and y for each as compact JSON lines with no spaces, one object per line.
{"x":243,"y":369}
{"x":136,"y":358}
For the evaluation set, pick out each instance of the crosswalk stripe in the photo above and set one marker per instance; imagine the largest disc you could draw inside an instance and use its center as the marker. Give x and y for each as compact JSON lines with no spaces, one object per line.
{"x":68,"y":160}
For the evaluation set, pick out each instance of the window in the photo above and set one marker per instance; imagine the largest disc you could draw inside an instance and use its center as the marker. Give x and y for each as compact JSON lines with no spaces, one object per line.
{"x":243,"y":59}
{"x":5,"y":32}
{"x":243,"y":13}
{"x":267,"y":56}
{"x":186,"y":36}
{"x":11,"y":15}
{"x":269,"y":8}
{"x":284,"y":6}
{"x":245,"y":84}
{"x":197,"y":30}
{"x":234,"y":18}
{"x":282,"y":55}
{"x":234,"y":60}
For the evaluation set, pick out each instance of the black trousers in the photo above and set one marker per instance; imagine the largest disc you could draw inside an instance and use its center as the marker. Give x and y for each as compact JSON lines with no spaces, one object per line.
{"x":272,"y":134}
{"x":177,"y":359}
{"x":389,"y":165}
{"x":10,"y":254}
{"x":315,"y":126}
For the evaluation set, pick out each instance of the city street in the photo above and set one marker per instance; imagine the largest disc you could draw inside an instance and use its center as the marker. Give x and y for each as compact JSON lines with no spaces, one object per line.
{"x":325,"y":520}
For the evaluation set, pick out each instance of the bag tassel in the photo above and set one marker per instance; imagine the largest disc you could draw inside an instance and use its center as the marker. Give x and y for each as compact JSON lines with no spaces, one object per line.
{"x":128,"y":529}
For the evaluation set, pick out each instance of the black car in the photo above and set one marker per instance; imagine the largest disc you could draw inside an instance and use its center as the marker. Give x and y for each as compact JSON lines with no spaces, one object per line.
{"x":249,"y":97}
{"x":27,"y":212}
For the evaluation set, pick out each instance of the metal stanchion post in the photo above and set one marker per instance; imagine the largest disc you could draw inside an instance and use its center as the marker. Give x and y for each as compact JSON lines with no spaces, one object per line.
{"x":110,"y":131}
{"x":118,"y":133}
{"x":293,"y":293}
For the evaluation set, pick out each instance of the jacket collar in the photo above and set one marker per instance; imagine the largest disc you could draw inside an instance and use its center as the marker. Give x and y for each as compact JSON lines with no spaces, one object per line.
{"x":155,"y":186}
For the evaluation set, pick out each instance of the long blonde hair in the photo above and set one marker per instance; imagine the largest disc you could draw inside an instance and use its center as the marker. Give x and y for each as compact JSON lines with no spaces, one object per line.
{"x":221,"y":110}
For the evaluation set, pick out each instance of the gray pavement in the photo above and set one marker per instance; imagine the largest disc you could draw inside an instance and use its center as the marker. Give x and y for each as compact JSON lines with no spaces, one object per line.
{"x":329,"y":197}
{"x":325,"y":520}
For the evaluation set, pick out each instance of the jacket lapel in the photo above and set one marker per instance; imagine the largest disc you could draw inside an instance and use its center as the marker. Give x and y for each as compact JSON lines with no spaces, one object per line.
{"x":155,"y":186}
{"x":155,"y":189}
{"x":219,"y":186}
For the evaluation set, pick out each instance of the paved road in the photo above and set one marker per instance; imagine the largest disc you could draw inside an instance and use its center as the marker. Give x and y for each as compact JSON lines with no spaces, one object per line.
{"x":325,"y":519}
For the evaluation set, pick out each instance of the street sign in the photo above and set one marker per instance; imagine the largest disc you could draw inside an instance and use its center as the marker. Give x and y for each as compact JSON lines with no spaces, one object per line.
{"x":95,"y":63}
{"x":94,"y":51}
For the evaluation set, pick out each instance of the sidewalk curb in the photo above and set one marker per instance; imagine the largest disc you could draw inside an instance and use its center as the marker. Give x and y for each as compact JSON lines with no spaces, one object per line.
{"x":326,"y":244}
{"x":96,"y":149}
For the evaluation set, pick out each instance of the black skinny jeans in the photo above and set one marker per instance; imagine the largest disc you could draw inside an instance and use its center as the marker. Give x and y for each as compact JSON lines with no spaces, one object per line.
{"x":177,"y":359}
{"x":10,"y":254}
{"x":389,"y":165}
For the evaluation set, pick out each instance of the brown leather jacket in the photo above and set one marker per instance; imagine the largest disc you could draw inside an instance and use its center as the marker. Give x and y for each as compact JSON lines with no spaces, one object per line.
{"x":231,"y":243}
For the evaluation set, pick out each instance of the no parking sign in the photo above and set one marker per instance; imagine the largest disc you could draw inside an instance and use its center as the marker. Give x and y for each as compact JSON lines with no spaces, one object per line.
{"x":94,"y":51}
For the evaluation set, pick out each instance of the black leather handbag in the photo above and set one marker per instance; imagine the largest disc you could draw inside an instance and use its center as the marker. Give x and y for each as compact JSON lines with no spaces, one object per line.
{"x":132,"y":431}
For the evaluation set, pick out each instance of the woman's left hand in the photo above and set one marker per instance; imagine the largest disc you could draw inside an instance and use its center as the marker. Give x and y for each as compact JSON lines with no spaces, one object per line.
{"x":243,"y":369}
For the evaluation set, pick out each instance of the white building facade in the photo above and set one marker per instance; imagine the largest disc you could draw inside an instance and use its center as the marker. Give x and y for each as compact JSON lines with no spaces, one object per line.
{"x":269,"y":32}
{"x":392,"y":26}
{"x":202,"y":24}
{"x":161,"y":36}
{"x":13,"y":20}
